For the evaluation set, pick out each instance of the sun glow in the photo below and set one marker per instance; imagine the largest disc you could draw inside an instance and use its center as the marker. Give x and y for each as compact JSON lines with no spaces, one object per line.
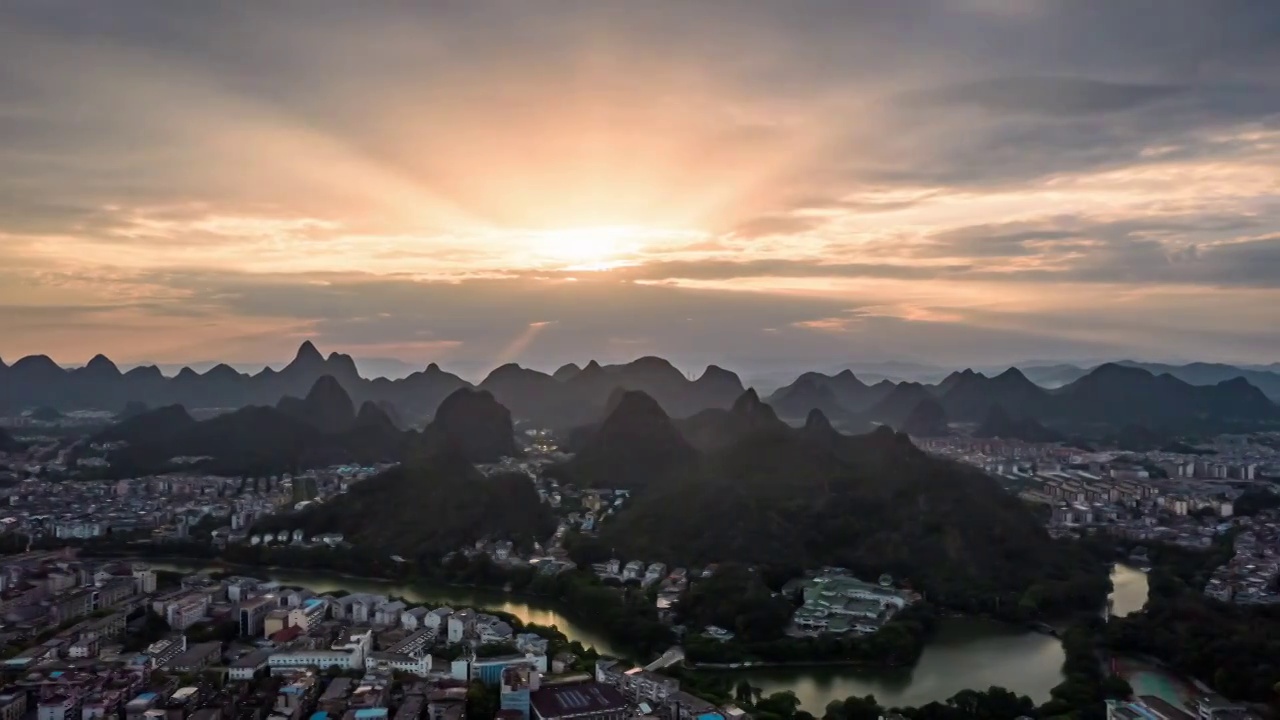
{"x":589,"y":248}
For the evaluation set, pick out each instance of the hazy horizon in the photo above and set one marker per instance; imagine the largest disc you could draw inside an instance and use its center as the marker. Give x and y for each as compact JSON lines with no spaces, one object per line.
{"x":772,"y":185}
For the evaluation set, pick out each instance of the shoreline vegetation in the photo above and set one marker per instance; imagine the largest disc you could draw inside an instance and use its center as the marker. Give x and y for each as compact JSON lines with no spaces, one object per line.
{"x":625,"y":615}
{"x":627,"y":618}
{"x":555,"y":603}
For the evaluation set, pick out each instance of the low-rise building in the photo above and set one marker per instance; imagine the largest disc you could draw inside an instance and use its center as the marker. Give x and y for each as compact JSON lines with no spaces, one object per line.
{"x":249,"y":666}
{"x":636,"y":684}
{"x":187,"y":610}
{"x":579,"y":701}
{"x":253,"y":613}
{"x":13,"y":705}
{"x":309,"y":614}
{"x":196,"y":657}
{"x":59,"y":707}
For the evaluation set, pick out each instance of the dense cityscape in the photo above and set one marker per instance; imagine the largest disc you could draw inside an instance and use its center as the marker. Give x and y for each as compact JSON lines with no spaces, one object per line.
{"x":95,"y":638}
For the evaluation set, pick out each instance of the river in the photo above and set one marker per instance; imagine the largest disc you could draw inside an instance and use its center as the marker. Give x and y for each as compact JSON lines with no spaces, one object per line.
{"x":1129,"y":590}
{"x":528,"y":609}
{"x":968,"y":653}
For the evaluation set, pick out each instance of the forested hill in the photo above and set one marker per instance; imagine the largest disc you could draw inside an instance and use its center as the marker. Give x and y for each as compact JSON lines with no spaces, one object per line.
{"x":428,"y":508}
{"x":873,"y":503}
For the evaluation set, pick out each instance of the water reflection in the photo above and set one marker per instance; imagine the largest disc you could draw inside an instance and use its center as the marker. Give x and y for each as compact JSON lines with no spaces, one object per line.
{"x":967,"y":653}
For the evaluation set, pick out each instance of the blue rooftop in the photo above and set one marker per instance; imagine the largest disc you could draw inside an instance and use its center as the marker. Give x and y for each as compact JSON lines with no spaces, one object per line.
{"x":364,"y":713}
{"x":55,"y":674}
{"x":322,"y":715}
{"x":146,"y":696}
{"x":312,"y":603}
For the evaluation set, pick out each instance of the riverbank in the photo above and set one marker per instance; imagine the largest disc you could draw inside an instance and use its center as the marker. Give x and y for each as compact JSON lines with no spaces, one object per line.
{"x":529,"y":608}
{"x":967,"y":652}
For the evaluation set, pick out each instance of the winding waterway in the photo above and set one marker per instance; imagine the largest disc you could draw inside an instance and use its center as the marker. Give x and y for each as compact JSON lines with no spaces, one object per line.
{"x":968,"y":653}
{"x":529,"y":610}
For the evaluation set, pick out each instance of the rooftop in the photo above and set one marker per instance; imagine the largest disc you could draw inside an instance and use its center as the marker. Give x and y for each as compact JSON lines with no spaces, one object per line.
{"x":580,"y":699}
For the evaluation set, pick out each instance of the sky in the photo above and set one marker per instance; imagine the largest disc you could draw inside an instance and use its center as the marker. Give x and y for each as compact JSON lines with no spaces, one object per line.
{"x":754,"y":183}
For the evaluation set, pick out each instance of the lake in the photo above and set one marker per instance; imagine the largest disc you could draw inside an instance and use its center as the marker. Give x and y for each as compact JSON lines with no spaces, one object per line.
{"x":967,"y":653}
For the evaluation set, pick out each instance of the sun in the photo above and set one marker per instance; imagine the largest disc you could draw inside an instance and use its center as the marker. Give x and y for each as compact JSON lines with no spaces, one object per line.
{"x":590,"y":248}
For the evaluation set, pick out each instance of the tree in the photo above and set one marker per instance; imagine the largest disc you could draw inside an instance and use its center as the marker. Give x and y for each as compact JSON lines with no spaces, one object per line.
{"x":780,"y":704}
{"x":854,"y":708}
{"x":482,"y":702}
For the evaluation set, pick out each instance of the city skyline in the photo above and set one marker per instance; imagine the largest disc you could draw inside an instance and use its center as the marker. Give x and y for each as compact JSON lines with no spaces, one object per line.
{"x":960,"y":183}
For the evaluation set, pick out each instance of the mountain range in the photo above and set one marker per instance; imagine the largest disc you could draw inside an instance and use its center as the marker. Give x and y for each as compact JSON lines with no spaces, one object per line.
{"x":322,"y":428}
{"x":1199,"y":396}
{"x":572,"y":397}
{"x":1109,"y":396}
{"x":1265,"y":378}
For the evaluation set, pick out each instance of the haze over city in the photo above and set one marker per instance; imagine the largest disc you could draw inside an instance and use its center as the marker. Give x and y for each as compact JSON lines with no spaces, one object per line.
{"x":759,"y":184}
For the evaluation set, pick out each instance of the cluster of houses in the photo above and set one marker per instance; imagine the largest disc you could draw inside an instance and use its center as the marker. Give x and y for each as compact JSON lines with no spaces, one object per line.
{"x":1252,"y":575}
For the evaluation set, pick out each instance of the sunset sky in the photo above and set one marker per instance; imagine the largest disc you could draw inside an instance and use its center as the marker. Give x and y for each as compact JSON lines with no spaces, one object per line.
{"x":750,"y":182}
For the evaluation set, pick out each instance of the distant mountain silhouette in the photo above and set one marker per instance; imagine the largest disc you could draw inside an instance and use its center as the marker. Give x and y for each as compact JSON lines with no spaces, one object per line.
{"x":526,"y":393}
{"x":133,"y":408}
{"x":253,"y":439}
{"x":894,"y":408}
{"x":372,"y":415}
{"x":714,"y":429}
{"x":37,"y":380}
{"x":998,"y":424}
{"x":1264,"y":377}
{"x":1200,"y":397}
{"x":837,"y":395}
{"x":1055,"y":376}
{"x":327,"y":407}
{"x":473,"y":424}
{"x":575,"y":397}
{"x":1268,"y":381}
{"x":657,"y":378}
{"x":956,"y":378}
{"x":969,"y":396}
{"x":636,"y":443}
{"x":566,"y":372}
{"x":928,"y":419}
{"x":810,"y":391}
{"x":1117,"y":395}
{"x":388,"y":411}
{"x":819,"y":430}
